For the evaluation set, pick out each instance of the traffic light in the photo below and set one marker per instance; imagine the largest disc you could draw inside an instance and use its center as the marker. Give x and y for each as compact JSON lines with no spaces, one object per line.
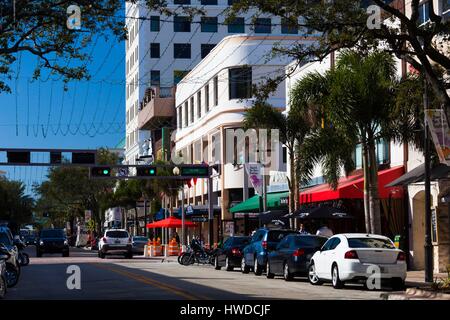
{"x":18,"y":156}
{"x":100,"y":171}
{"x":83,"y":157}
{"x":145,"y":171}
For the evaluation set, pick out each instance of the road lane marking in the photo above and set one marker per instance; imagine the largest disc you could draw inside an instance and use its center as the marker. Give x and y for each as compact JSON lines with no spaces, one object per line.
{"x":153,"y":282}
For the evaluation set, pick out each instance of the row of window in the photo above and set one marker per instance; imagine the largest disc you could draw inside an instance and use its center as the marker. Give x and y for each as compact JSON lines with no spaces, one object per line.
{"x":239,"y":87}
{"x":132,"y":138}
{"x":133,"y":60}
{"x":424,"y":11}
{"x":132,"y":112}
{"x":132,"y":34}
{"x":133,"y":85}
{"x":180,"y":50}
{"x":236,"y":25}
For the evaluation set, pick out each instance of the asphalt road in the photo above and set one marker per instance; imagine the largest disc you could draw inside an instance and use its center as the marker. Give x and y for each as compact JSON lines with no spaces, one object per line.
{"x":139,"y":278}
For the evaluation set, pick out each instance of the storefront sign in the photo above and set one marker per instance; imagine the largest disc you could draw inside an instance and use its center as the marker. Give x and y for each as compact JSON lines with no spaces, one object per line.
{"x":255,"y":176}
{"x":189,"y":210}
{"x":243,"y":214}
{"x":440,"y":133}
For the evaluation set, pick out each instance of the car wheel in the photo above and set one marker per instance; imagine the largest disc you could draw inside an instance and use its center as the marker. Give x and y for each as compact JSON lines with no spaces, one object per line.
{"x":227,"y":265}
{"x":269,"y":274}
{"x":397,"y":284}
{"x":25,"y":259}
{"x":12,"y":275}
{"x":244,"y":267}
{"x":2,"y":287}
{"x":312,"y":275}
{"x":337,"y":283}
{"x":216,"y":263}
{"x":257,"y":268}
{"x":287,"y":275}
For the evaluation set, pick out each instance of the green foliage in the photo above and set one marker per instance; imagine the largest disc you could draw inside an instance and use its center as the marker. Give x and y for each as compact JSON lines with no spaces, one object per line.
{"x":15,"y":205}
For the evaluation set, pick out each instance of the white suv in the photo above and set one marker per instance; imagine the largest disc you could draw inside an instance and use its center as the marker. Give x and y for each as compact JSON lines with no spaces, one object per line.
{"x":115,"y":241}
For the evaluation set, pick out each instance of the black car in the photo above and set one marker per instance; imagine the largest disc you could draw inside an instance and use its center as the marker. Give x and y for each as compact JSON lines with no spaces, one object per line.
{"x":292,"y":255}
{"x":263,"y":241}
{"x":52,"y":241}
{"x":12,"y":263}
{"x":230,"y":254}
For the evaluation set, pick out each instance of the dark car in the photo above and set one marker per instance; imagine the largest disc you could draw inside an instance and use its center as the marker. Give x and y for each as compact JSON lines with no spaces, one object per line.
{"x":138,"y":244}
{"x":4,"y":255}
{"x":29,"y":239}
{"x":263,"y":241}
{"x":52,"y":241}
{"x":292,"y":256}
{"x":230,"y":254}
{"x":12,"y":263}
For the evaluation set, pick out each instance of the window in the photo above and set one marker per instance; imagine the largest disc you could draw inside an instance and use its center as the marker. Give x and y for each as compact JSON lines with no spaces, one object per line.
{"x":424,"y":13}
{"x":186,"y":114}
{"x":240,"y":83}
{"x":182,"y":50}
{"x":154,"y":50}
{"x":284,"y":154}
{"x":207,"y":97}
{"x":445,"y":6}
{"x":155,"y":78}
{"x":206,"y":48}
{"x":136,"y":52}
{"x":263,"y":25}
{"x":237,"y":25}
{"x":182,"y":1}
{"x":208,"y":24}
{"x":180,"y":117}
{"x":328,"y":245}
{"x":199,"y":104}
{"x":192,"y":109}
{"x":181,"y":24}
{"x":209,"y":2}
{"x":154,"y":23}
{"x":116,"y":234}
{"x":128,"y":116}
{"x":216,"y":91}
{"x":382,"y":151}
{"x":178,"y":75}
{"x":288,"y":26}
{"x":370,"y":243}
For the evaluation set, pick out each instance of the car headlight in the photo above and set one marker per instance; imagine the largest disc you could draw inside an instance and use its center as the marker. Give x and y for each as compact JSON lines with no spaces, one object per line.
{"x":41,"y":243}
{"x":66,"y":243}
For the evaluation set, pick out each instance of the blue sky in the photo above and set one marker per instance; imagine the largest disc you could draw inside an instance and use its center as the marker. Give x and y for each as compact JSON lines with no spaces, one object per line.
{"x":40,"y":114}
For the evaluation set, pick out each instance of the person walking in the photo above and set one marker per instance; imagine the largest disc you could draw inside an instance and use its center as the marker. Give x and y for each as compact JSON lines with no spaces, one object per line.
{"x":302,"y":229}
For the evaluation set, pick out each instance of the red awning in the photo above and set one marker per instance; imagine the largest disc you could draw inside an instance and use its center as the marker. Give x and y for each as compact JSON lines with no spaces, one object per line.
{"x":352,"y":187}
{"x":170,"y":222}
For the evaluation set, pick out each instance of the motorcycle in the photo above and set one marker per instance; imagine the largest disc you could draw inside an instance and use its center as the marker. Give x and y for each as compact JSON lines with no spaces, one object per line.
{"x":24,"y":258}
{"x":12,"y":271}
{"x":197,"y":254}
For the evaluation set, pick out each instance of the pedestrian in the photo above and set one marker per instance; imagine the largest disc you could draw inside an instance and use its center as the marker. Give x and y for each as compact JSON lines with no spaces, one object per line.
{"x":302,"y":229}
{"x":177,"y":237}
{"x":324,"y":231}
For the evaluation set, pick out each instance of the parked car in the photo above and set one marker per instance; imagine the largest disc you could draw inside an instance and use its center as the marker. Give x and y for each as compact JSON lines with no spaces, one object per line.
{"x":229,"y":255}
{"x":52,"y":241}
{"x":292,"y":255}
{"x":4,"y":255}
{"x":347,"y":258}
{"x":263,"y":241}
{"x":115,"y":241}
{"x":138,"y":244}
{"x":12,"y":263}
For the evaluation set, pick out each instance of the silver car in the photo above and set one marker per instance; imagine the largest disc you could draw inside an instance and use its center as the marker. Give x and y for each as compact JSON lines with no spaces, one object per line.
{"x":139,"y":244}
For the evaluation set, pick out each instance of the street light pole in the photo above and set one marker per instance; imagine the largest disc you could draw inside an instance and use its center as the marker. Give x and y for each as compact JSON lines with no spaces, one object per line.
{"x":145,"y":217}
{"x":183,"y":226}
{"x":428,"y":244}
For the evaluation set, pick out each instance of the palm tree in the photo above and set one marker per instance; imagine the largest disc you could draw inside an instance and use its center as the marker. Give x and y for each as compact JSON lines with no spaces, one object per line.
{"x":293,"y":128}
{"x":351,"y":104}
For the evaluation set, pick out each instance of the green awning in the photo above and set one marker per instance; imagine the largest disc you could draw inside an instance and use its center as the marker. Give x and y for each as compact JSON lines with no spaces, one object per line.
{"x":252,"y":204}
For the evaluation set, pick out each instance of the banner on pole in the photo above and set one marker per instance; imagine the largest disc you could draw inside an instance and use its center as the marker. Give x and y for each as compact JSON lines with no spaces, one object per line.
{"x":440,"y":133}
{"x":255,"y":176}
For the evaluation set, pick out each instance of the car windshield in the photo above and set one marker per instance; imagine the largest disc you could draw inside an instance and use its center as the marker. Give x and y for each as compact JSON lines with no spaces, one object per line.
{"x":276,"y":236}
{"x":57,"y":233}
{"x":239,"y":241}
{"x":117,"y":234}
{"x":4,"y":238}
{"x":309,"y":242}
{"x":140,"y":239}
{"x":370,"y":243}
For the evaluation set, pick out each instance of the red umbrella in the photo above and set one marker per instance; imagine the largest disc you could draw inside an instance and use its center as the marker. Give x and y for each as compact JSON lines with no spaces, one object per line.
{"x":170,"y":222}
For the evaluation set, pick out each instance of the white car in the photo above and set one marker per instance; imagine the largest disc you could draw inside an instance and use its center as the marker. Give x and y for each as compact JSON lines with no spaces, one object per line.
{"x":115,"y":241}
{"x":354,"y":257}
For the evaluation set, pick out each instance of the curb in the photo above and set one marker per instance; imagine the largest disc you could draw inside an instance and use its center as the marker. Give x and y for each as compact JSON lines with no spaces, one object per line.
{"x":416,"y":294}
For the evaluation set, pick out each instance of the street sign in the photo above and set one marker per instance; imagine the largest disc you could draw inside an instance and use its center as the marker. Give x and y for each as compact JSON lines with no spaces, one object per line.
{"x":440,"y":132}
{"x":198,"y":171}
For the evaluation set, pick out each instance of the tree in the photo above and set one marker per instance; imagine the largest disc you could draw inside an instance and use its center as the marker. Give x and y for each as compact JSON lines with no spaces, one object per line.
{"x":40,"y":29}
{"x":355,"y":100}
{"x":15,"y":205}
{"x":69,"y":191}
{"x":126,"y":194}
{"x":292,"y":128}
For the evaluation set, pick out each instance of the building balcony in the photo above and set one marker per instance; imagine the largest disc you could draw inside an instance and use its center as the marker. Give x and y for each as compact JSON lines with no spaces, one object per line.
{"x":157,"y":108}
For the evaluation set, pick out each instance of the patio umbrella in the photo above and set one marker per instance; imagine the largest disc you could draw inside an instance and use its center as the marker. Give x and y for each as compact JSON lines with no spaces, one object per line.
{"x":170,"y":222}
{"x":322,"y":212}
